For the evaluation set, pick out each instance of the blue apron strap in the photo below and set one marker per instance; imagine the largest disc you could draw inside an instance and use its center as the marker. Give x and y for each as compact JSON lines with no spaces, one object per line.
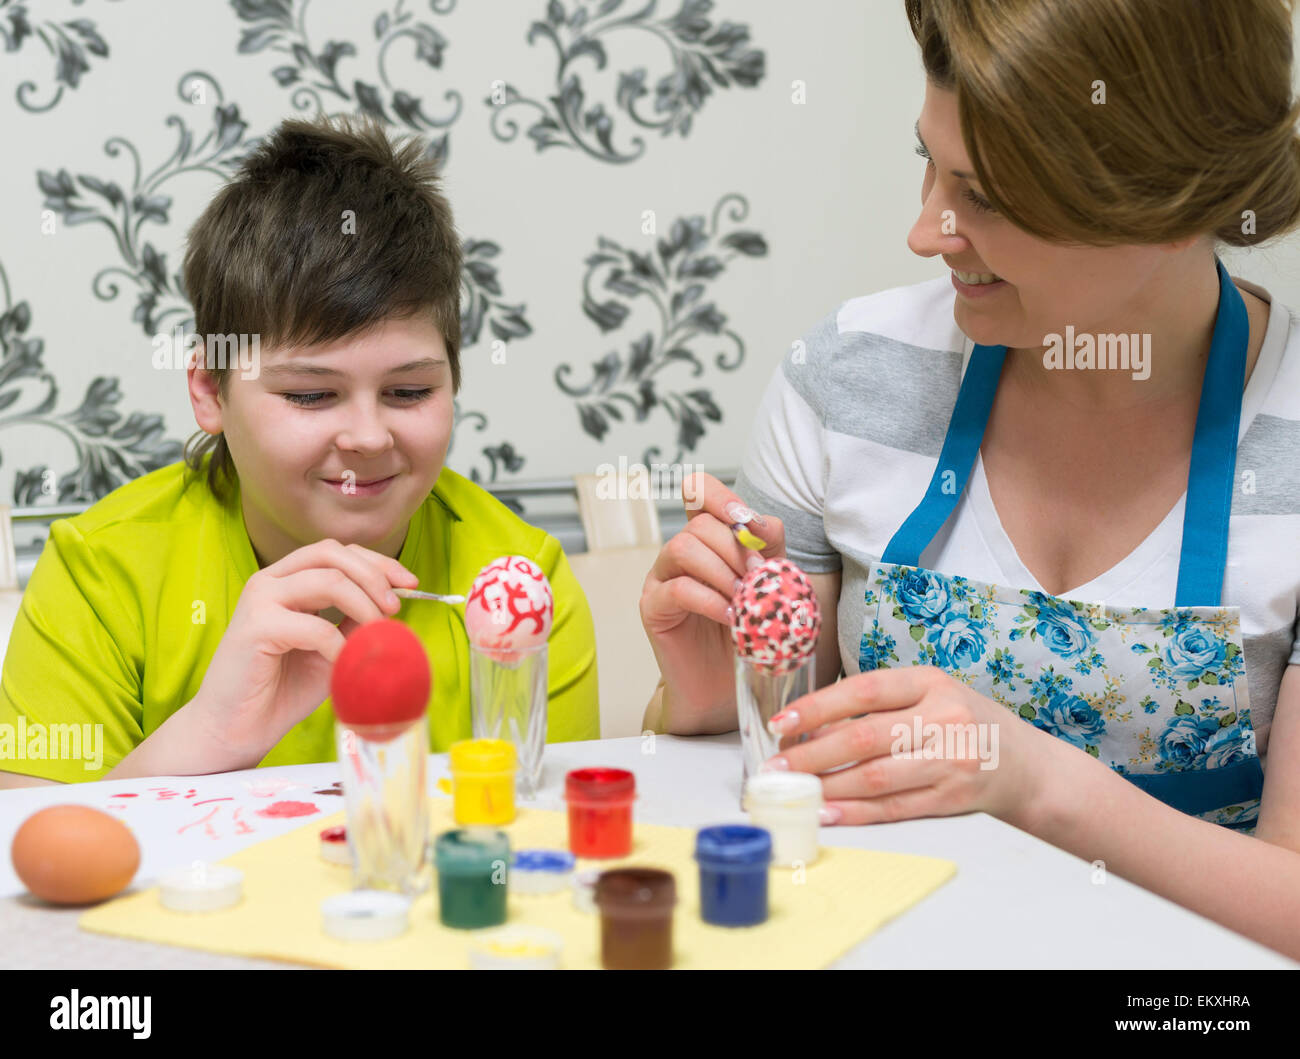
{"x":965,"y":432}
{"x":1214,"y":455}
{"x":1210,"y":479}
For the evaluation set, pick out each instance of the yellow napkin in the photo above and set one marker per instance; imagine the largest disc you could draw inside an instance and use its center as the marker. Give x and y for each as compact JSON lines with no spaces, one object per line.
{"x":816,"y":914}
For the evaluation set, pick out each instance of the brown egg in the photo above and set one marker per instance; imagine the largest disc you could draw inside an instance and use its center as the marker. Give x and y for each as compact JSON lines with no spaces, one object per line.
{"x":73,"y":855}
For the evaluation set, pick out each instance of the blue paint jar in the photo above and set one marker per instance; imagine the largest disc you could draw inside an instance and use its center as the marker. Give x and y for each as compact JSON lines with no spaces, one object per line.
{"x":734,"y":860}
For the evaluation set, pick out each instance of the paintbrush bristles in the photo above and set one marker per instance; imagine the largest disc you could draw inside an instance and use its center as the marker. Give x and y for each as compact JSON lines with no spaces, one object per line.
{"x":415,"y":593}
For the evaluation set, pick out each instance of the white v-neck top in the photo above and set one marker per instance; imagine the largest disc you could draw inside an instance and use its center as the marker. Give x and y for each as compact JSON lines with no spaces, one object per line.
{"x":850,"y":429}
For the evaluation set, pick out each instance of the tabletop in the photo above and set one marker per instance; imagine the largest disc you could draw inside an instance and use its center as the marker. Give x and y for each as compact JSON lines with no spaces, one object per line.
{"x":1015,"y":902}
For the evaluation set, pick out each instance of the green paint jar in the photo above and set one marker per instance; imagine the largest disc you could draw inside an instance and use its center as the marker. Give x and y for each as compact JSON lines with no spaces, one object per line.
{"x":473,"y":864}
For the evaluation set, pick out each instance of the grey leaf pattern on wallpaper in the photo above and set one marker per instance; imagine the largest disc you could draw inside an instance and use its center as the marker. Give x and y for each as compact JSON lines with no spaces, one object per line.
{"x":161,"y":302}
{"x":674,"y":281}
{"x":280,"y":26}
{"x":110,"y":452}
{"x":501,"y":458}
{"x":68,"y":43}
{"x":700,"y":52}
{"x":481,"y":301}
{"x":482,"y":297}
{"x":662,"y":363}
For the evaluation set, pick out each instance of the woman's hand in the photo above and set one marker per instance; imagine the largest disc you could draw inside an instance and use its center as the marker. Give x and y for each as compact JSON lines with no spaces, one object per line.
{"x":272,"y":667}
{"x":974,"y":755}
{"x":686,"y":600}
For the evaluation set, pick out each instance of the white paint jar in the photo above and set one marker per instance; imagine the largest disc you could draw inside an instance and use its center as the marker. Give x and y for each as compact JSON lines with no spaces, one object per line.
{"x":787,"y":804}
{"x":201,"y":887}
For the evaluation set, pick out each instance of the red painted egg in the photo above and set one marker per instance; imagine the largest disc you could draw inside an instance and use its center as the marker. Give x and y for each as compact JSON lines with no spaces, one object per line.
{"x":381,"y":679}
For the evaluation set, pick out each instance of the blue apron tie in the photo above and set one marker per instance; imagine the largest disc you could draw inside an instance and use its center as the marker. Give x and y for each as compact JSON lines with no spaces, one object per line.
{"x":1209,"y":483}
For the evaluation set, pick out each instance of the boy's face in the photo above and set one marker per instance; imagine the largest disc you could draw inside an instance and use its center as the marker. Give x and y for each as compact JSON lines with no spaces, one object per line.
{"x":316,"y":424}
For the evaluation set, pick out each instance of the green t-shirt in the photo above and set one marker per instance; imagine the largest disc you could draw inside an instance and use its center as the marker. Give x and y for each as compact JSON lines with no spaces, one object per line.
{"x":129,"y":600}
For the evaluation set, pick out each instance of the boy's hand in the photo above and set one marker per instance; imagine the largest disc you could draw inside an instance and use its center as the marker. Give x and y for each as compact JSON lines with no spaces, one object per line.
{"x":272,"y":667}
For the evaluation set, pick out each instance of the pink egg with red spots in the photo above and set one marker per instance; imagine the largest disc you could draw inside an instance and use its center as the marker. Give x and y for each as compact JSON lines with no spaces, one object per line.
{"x":776,"y":618}
{"x":510,"y":608}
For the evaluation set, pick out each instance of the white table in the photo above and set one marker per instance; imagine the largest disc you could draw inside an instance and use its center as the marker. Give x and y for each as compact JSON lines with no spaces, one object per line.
{"x":1015,"y":902}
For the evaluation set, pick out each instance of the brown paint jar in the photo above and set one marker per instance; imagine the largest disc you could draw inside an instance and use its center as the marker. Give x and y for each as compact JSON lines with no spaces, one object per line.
{"x":636,"y":919}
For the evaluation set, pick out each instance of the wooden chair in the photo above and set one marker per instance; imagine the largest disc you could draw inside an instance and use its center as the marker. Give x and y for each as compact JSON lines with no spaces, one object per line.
{"x":623,"y":540}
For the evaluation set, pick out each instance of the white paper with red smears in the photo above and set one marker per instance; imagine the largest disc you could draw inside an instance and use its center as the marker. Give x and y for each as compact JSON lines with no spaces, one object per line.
{"x":510,"y":608}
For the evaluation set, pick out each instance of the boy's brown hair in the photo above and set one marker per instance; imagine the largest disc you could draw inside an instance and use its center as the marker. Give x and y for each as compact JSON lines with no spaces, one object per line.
{"x":276,"y":253}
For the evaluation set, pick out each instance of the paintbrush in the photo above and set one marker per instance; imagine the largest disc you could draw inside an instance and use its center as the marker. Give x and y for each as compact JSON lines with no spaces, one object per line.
{"x":740,"y":516}
{"x":415,"y":593}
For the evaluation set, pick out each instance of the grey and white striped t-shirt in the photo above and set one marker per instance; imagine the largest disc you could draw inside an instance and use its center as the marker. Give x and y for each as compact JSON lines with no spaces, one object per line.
{"x":849,"y":432}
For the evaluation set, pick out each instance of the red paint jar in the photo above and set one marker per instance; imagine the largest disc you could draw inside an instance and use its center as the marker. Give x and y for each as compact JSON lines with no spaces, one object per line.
{"x":600,"y":811}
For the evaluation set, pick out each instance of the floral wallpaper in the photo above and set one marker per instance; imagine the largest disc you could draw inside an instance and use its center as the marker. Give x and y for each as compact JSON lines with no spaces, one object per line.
{"x":604,"y":296}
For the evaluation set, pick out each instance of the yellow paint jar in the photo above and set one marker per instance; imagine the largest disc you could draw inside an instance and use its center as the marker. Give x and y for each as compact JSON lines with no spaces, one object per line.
{"x":483,"y":781}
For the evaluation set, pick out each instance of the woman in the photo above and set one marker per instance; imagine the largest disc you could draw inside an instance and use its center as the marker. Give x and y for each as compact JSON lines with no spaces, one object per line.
{"x":1073,"y":503}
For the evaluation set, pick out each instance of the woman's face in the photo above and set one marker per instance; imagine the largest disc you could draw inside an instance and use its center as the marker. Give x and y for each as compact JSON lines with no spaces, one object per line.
{"x":349,"y":412}
{"x":1046,"y":286}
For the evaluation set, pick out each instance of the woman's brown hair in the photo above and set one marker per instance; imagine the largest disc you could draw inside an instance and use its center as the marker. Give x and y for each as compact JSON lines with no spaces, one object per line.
{"x":1196,"y":133}
{"x":326,"y":230}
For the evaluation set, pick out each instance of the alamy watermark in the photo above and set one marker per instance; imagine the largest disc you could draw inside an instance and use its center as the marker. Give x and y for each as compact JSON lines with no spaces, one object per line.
{"x":658,"y":481}
{"x":54,"y":742}
{"x":180,"y":349}
{"x":1084,"y":352}
{"x":930,"y":741}
{"x":77,"y":1012}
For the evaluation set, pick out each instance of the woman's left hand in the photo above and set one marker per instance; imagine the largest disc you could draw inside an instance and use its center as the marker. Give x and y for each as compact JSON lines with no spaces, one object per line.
{"x":981,"y":757}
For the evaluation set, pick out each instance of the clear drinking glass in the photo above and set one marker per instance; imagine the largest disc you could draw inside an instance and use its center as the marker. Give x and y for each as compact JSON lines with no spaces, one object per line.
{"x":387,"y":805}
{"x":760,"y":695}
{"x":509,"y":702}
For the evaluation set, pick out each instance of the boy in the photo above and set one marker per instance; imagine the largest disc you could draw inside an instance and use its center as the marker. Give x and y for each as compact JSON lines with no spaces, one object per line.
{"x":186,"y":623}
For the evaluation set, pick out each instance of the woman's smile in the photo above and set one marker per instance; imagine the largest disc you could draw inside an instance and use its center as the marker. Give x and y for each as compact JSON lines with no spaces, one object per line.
{"x":982,"y":289}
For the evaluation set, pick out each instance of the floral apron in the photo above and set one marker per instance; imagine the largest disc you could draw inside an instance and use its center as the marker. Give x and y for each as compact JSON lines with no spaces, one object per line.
{"x":1158,"y":694}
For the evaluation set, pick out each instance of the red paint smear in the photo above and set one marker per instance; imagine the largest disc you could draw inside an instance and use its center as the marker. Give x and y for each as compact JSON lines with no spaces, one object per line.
{"x":207,"y":800}
{"x":287,"y":809}
{"x":242,"y":827}
{"x":207,"y":827}
{"x":124,"y":796}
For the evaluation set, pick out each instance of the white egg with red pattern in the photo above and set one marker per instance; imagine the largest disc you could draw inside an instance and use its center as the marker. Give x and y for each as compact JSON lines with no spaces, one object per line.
{"x":510,"y":608}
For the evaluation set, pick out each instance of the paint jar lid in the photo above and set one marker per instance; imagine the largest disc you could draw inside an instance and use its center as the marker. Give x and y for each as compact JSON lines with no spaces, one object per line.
{"x":201,"y":887}
{"x":516,"y":948}
{"x":482,"y":755}
{"x":541,"y":871}
{"x":636,"y":890}
{"x":584,"y":890}
{"x":365,"y":915}
{"x":733,"y":846}
{"x":599,"y":785}
{"x":471,"y":851}
{"x":783,"y":790}
{"x":334,"y":845}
